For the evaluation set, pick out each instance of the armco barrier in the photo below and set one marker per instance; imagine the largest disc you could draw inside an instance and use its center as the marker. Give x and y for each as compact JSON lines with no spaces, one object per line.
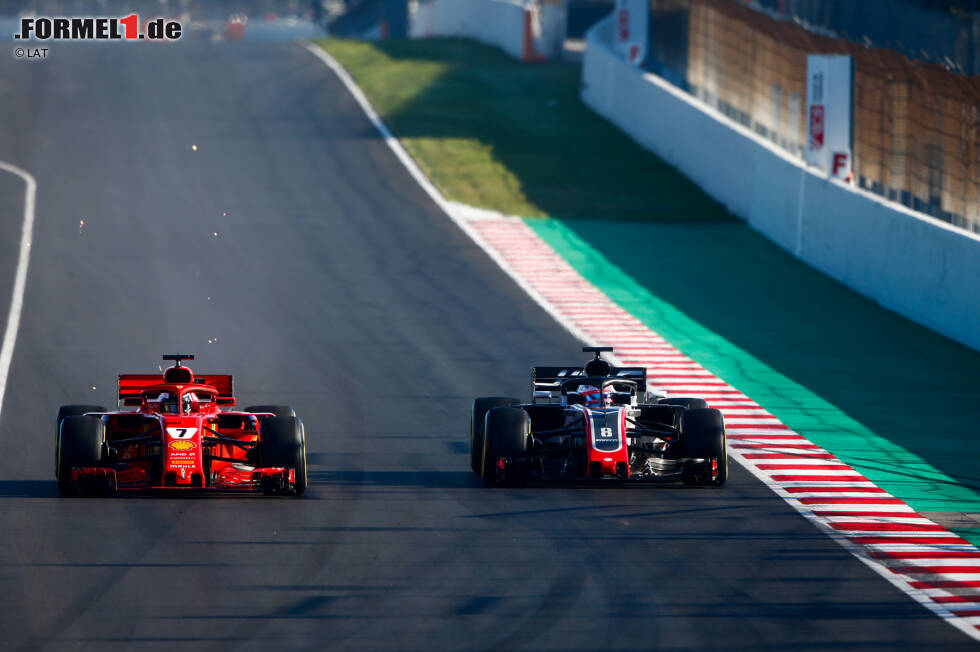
{"x":919,"y":267}
{"x":528,"y":30}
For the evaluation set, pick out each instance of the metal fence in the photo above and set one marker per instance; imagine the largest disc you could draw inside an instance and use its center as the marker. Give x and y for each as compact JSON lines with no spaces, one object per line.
{"x":943,"y":31}
{"x":916,"y":123}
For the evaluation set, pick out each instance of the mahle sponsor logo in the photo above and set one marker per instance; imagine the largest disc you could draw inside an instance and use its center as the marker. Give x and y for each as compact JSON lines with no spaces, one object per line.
{"x":92,"y":28}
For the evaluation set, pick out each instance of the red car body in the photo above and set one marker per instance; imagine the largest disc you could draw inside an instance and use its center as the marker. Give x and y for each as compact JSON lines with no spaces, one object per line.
{"x":180,"y":435}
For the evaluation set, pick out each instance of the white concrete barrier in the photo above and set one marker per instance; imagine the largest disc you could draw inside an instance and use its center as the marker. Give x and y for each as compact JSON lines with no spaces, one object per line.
{"x":908,"y":262}
{"x":529,"y":30}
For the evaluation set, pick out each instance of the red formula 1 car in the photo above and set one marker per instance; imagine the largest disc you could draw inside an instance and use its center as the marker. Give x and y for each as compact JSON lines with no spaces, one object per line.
{"x":597,"y":422}
{"x":179,"y":434}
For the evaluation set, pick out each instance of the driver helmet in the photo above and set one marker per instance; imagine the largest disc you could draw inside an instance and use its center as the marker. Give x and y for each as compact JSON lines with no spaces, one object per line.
{"x":168,"y":403}
{"x":591,"y":396}
{"x":188,"y":402}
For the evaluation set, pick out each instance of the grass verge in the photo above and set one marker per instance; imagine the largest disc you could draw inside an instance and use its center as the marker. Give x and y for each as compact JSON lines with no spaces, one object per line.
{"x":495,"y":133}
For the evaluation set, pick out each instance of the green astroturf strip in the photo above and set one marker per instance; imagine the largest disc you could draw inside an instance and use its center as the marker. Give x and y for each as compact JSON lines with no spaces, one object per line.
{"x":971,"y":534}
{"x":895,"y":400}
{"x":888,"y":397}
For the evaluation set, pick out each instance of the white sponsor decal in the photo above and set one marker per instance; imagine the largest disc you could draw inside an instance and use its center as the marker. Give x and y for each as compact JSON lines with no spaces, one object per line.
{"x":181,"y":433}
{"x":829,"y":112}
{"x":632,"y":20}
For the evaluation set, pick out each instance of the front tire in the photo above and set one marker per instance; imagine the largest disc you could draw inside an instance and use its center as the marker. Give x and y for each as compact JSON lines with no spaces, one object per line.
{"x":63,"y":412}
{"x":507,"y":429}
{"x":81,"y":445}
{"x":478,"y":423}
{"x":283,"y":443}
{"x":703,"y":436}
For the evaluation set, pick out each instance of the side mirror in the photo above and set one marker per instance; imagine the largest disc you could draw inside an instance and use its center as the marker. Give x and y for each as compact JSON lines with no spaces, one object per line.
{"x":226,"y":400}
{"x":622,"y":398}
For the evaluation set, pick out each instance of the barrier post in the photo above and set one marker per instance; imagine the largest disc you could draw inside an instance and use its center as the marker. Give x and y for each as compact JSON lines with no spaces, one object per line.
{"x":530,"y":15}
{"x":830,"y":113}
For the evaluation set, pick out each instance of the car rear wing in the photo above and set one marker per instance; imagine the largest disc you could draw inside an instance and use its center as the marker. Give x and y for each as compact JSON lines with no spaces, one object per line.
{"x":549,"y":379}
{"x":132,"y":385}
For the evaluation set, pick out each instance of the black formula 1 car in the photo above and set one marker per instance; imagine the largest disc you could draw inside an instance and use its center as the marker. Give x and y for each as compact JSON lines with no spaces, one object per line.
{"x":597,"y":422}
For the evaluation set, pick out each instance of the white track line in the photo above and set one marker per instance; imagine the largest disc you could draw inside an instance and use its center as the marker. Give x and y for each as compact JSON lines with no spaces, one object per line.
{"x":20,"y":277}
{"x":880,"y":530}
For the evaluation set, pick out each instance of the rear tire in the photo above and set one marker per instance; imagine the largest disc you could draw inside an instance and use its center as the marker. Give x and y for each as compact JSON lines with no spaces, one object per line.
{"x":283,"y":443}
{"x":63,"y":412}
{"x":478,"y":422}
{"x":703,"y":435}
{"x":81,"y":445}
{"x":278,"y":410}
{"x":689,"y":403}
{"x":507,"y":429}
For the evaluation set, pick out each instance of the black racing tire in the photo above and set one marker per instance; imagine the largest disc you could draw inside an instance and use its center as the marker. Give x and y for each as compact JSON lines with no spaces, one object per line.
{"x":703,"y":437}
{"x":283,"y":443}
{"x":478,"y":422}
{"x":689,"y":403}
{"x":81,"y":445}
{"x":278,"y":410}
{"x":507,"y":429}
{"x":68,"y":411}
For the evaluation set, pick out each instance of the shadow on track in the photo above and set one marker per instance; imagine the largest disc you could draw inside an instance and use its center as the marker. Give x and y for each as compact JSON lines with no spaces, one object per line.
{"x":429,"y":479}
{"x":49,"y":489}
{"x":468,"y":480}
{"x":28,"y":489}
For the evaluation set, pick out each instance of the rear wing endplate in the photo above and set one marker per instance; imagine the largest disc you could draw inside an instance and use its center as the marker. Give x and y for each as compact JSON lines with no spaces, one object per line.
{"x":549,"y":379}
{"x":132,"y":385}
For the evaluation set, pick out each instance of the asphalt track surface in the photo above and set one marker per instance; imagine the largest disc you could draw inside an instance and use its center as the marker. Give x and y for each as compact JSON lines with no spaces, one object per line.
{"x":335,"y":285}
